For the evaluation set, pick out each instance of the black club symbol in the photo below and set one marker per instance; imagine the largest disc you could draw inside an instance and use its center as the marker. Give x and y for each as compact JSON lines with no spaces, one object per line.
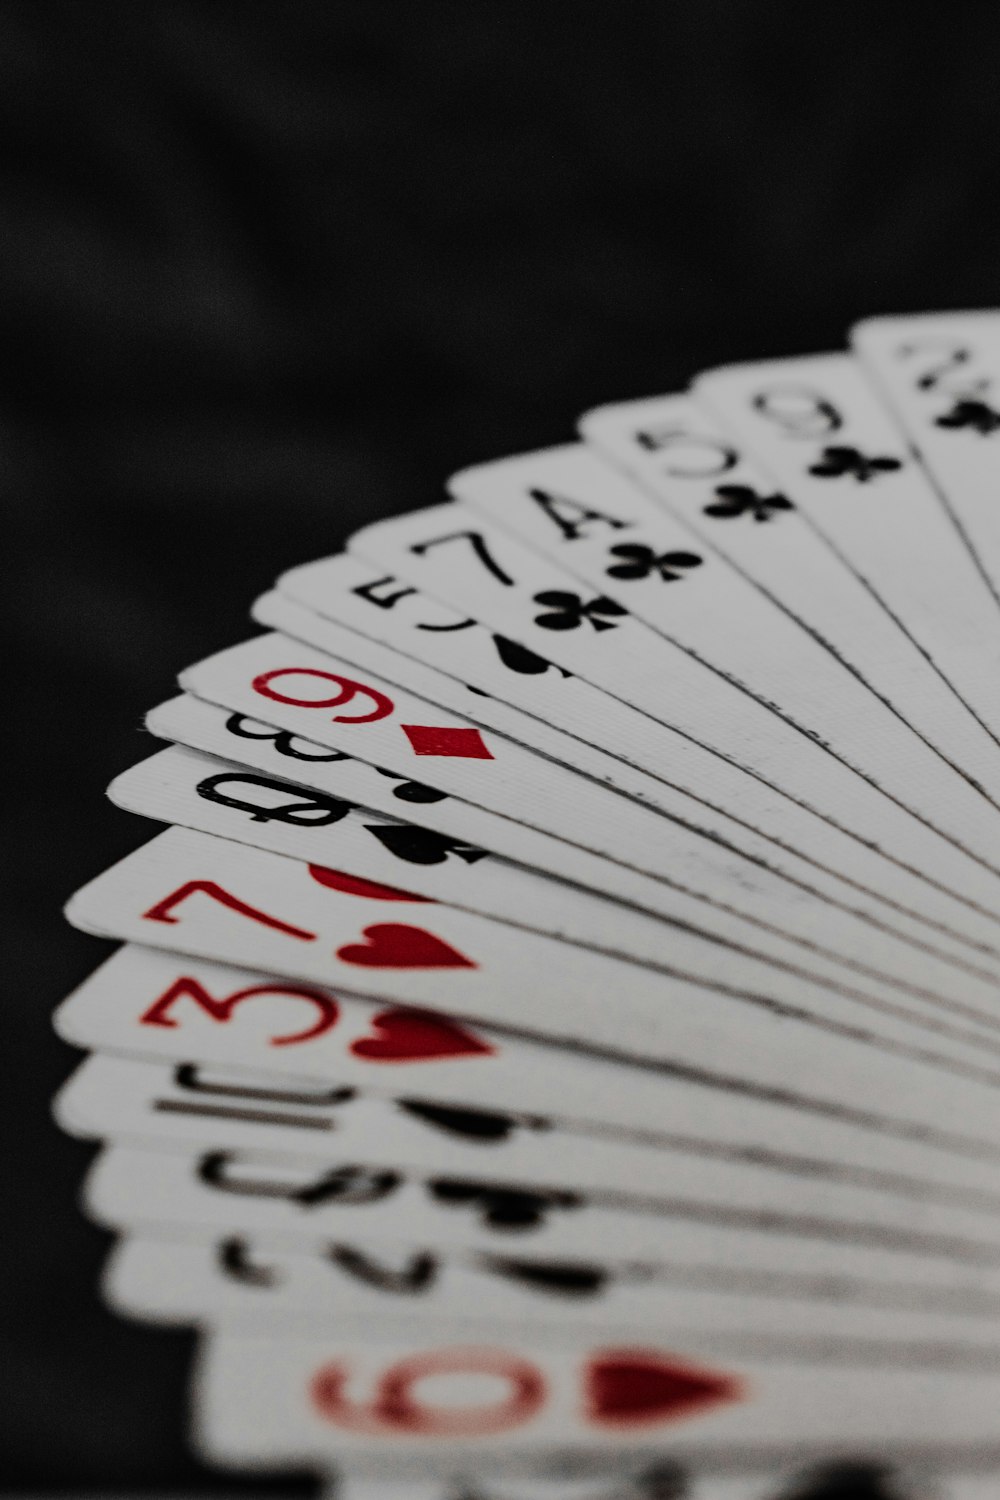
{"x":840,"y":460}
{"x":565,"y":611}
{"x":639,"y":561}
{"x":743,"y":500}
{"x":975,"y":414}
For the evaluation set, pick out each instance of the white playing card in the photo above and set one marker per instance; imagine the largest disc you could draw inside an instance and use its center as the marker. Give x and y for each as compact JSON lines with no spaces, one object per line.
{"x":201,"y":895}
{"x":653,"y":1483}
{"x":940,"y":374}
{"x":627,"y":1485}
{"x":819,"y":429}
{"x":352,"y":1290}
{"x":209,"y":726}
{"x":631,"y":661}
{"x":192,"y":790}
{"x":140,"y":1103}
{"x":686,"y":460}
{"x":557,"y":1038}
{"x":263,"y":1402}
{"x":568,"y":505}
{"x":671,"y":1481}
{"x":145,"y":1003}
{"x":343,"y":589}
{"x":965,"y":1487}
{"x":299,"y":1204}
{"x":659,"y":864}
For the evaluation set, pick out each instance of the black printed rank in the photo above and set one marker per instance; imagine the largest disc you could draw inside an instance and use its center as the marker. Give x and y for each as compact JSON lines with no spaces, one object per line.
{"x":417,"y":1274}
{"x":636,"y":561}
{"x":195,"y":1078}
{"x":306,"y":809}
{"x":970,"y":416}
{"x":347,"y":1186}
{"x":734,"y":500}
{"x":282,"y":739}
{"x":839,"y":461}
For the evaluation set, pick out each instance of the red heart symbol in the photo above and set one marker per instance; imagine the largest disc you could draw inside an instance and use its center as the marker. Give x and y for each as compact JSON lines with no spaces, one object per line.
{"x":392,"y":945}
{"x":628,"y":1387}
{"x":415,"y":1036}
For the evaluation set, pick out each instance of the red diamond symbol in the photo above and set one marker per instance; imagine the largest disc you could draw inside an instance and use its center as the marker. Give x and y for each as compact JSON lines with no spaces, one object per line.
{"x":427,"y":739}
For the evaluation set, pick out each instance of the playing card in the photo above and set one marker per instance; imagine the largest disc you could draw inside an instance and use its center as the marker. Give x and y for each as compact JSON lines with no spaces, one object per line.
{"x":186,"y":788}
{"x":299,"y":1202}
{"x":135,"y":1102}
{"x":352,"y":1290}
{"x":557,"y":1038}
{"x":214,"y":898}
{"x":467,"y":653}
{"x":290,"y":1203}
{"x":567,"y":504}
{"x":151,"y":1004}
{"x":653,"y":1483}
{"x":263,"y":1402}
{"x":671,"y":1481}
{"x":287,"y":677}
{"x":631,"y":661}
{"x":816,"y":427}
{"x":939,"y":374}
{"x":699,"y":472}
{"x":193,"y":722}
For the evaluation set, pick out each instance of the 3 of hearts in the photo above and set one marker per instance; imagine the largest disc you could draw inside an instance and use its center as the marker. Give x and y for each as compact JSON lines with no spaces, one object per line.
{"x":556,"y":1040}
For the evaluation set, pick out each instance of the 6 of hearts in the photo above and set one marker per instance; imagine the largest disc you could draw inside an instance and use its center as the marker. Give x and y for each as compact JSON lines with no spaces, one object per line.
{"x":555,"y":1046}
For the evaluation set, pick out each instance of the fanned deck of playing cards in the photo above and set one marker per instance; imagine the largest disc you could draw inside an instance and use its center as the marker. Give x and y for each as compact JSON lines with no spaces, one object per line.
{"x":555,"y":1050}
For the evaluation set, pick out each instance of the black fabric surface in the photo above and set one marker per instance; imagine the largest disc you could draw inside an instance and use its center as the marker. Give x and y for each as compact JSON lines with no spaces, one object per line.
{"x":269,"y":271}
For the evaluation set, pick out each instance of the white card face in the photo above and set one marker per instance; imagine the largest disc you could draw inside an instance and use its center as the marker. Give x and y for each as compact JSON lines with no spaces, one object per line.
{"x":281,"y":678}
{"x":210,"y":897}
{"x":698,"y":472}
{"x":354,"y":1290}
{"x":207,"y":726}
{"x":294,"y":1203}
{"x":637,"y":1485}
{"x":672,"y":1481}
{"x":940,"y":374}
{"x":631,"y":661}
{"x":343,"y":589}
{"x":150,"y":1004}
{"x":142,"y":1103}
{"x":568,"y":505}
{"x":965,"y":1487}
{"x":222,"y":899}
{"x":192,"y":790}
{"x":287,"y":675}
{"x":652,"y":1484}
{"x":264,"y":1402}
{"x":822,"y":433}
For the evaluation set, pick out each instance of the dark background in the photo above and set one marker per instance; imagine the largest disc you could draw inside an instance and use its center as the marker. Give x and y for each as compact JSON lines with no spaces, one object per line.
{"x":271,"y":270}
